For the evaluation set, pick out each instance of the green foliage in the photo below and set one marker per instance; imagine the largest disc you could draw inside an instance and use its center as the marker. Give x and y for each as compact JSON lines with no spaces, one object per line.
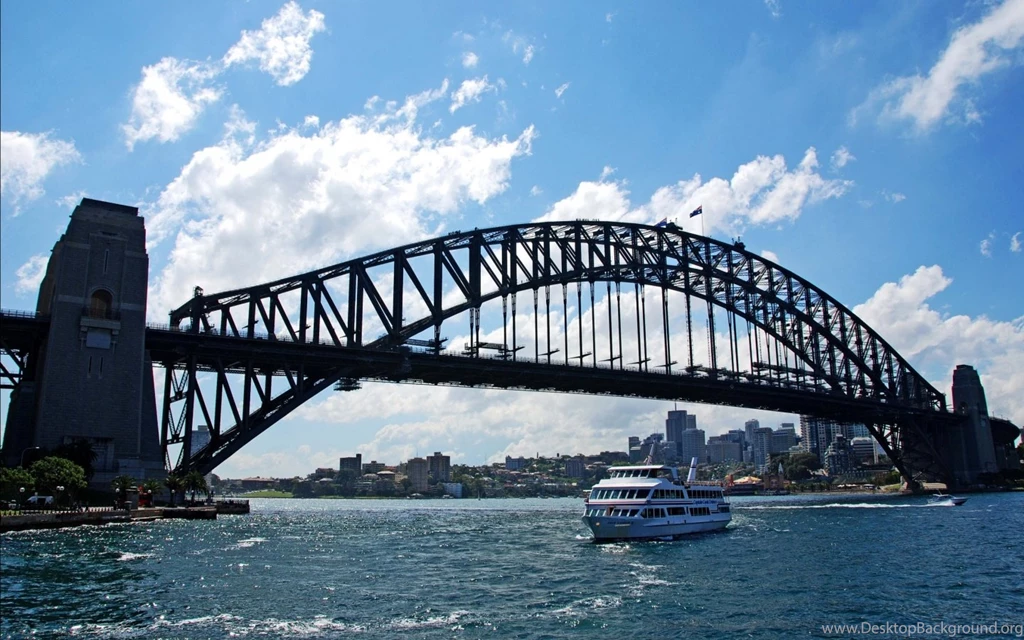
{"x":797,"y":466}
{"x":13,"y":480}
{"x":123,"y":483}
{"x":194,"y":483}
{"x":52,"y":472}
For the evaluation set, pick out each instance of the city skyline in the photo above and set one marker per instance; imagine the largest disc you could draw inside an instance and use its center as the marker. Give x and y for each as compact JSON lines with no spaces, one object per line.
{"x":267,"y":138}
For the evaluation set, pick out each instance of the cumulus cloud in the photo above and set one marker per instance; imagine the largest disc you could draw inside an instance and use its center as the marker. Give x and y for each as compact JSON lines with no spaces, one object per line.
{"x":30,"y":274}
{"x":770,"y":255}
{"x":470,"y":91}
{"x":470,"y":59}
{"x":169,"y":99}
{"x":25,"y":161}
{"x":935,"y":343}
{"x":842,"y":157}
{"x":1015,"y":243}
{"x":560,"y":90}
{"x":974,"y":51}
{"x":762,"y":191}
{"x":281,"y":45}
{"x":311,"y":198}
{"x":774,"y":6}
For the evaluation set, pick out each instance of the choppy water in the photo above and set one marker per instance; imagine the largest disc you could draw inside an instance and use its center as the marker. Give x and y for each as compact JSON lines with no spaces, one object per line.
{"x":517,"y":568}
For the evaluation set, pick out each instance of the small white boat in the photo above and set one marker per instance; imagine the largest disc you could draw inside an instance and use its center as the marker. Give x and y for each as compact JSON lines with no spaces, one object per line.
{"x":650,"y":502}
{"x":943,"y":498}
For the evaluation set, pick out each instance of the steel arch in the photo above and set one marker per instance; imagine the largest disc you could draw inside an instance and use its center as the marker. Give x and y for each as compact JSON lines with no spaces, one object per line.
{"x":836,"y":356}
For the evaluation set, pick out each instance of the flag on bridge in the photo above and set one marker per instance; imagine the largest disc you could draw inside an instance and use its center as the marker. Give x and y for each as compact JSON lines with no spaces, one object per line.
{"x":664,"y":222}
{"x":696,"y":212}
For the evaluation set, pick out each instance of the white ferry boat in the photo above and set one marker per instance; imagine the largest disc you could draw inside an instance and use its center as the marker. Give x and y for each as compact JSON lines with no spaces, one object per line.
{"x":650,"y":502}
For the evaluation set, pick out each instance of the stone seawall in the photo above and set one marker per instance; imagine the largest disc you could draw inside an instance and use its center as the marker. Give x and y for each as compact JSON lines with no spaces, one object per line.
{"x":61,"y":519}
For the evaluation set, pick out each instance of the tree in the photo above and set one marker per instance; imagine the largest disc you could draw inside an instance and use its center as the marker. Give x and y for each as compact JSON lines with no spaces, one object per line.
{"x":195,"y":483}
{"x":174,"y":485}
{"x":121,"y":485}
{"x":153,"y":486}
{"x":52,"y":472}
{"x":798,"y":466}
{"x":13,"y":480}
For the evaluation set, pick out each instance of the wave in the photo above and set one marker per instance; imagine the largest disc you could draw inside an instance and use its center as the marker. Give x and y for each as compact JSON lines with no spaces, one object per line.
{"x":128,"y":556}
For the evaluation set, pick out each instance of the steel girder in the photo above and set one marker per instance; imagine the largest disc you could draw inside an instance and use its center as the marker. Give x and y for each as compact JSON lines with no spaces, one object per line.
{"x":834,"y":354}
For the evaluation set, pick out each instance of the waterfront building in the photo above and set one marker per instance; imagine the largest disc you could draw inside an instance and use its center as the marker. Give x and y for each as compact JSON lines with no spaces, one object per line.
{"x":575,"y":467}
{"x":416,"y":471}
{"x":373,"y":467}
{"x":439,"y":467}
{"x":864,"y":449}
{"x":818,"y":433}
{"x":453,"y":489}
{"x":353,"y":464}
{"x":839,"y":457}
{"x":514,"y":464}
{"x":324,"y":473}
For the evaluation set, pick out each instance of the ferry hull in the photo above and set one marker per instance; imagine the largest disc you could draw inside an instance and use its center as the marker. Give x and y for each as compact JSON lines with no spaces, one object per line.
{"x":610,"y":529}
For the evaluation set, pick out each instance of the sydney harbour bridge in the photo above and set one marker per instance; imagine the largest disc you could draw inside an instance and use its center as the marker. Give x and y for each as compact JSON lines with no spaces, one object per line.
{"x":589,"y":307}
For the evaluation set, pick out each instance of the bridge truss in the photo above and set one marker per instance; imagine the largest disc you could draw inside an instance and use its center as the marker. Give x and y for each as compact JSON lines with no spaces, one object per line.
{"x":590,"y":307}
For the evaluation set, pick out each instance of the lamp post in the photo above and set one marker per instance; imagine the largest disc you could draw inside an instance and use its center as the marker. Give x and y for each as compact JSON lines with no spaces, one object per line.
{"x":24,"y":451}
{"x":60,"y":494}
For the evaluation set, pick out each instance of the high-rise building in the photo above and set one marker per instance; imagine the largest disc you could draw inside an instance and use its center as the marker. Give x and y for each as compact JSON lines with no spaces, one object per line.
{"x":416,"y":471}
{"x":353,"y":464}
{"x":515,"y":464}
{"x":839,"y":457}
{"x":439,"y":467}
{"x":783,"y":440}
{"x":722,"y":449}
{"x":692,"y":445}
{"x":675,"y":425}
{"x":749,"y":427}
{"x":818,"y":433}
{"x":762,"y":446}
{"x":200,"y":438}
{"x":373,"y":467}
{"x":863,"y":449}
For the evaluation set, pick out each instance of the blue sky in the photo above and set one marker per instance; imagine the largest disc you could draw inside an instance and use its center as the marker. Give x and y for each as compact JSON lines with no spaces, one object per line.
{"x":872,"y":147}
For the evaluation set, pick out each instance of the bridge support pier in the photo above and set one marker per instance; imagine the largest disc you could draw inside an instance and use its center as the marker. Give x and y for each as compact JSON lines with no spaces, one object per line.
{"x":91,"y":378}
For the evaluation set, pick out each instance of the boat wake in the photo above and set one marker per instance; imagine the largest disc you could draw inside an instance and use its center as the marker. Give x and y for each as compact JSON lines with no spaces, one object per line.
{"x":840,"y":505}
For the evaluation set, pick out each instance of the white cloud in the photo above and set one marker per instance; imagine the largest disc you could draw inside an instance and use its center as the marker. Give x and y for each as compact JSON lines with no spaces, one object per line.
{"x":762,"y":191}
{"x":974,"y":51}
{"x":560,"y":90}
{"x":608,"y":17}
{"x":894,"y":197}
{"x":30,"y":274}
{"x":770,"y":255}
{"x":71,"y":200}
{"x":281,"y":45}
{"x":470,"y":91}
{"x":27,"y":158}
{"x":842,"y":157}
{"x":311,"y":121}
{"x":169,"y":99}
{"x":312,"y":198}
{"x":986,"y":245}
{"x":934,"y":343}
{"x":520,"y":45}
{"x":606,"y":172}
{"x":536,"y":191}
{"x":1015,"y":243}
{"x":470,"y":59}
{"x":774,"y":6}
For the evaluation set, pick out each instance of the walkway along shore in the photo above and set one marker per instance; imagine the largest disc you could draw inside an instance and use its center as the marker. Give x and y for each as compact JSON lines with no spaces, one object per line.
{"x":62,"y":519}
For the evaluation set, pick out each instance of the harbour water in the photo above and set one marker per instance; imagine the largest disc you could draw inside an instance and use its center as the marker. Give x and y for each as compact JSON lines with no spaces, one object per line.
{"x":785,"y":567}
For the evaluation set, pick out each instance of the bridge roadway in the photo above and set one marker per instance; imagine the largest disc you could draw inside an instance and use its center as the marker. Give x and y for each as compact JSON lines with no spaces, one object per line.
{"x":21,"y":332}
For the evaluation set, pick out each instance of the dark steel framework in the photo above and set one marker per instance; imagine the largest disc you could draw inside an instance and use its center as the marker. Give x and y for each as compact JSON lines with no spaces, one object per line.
{"x":754,"y":335}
